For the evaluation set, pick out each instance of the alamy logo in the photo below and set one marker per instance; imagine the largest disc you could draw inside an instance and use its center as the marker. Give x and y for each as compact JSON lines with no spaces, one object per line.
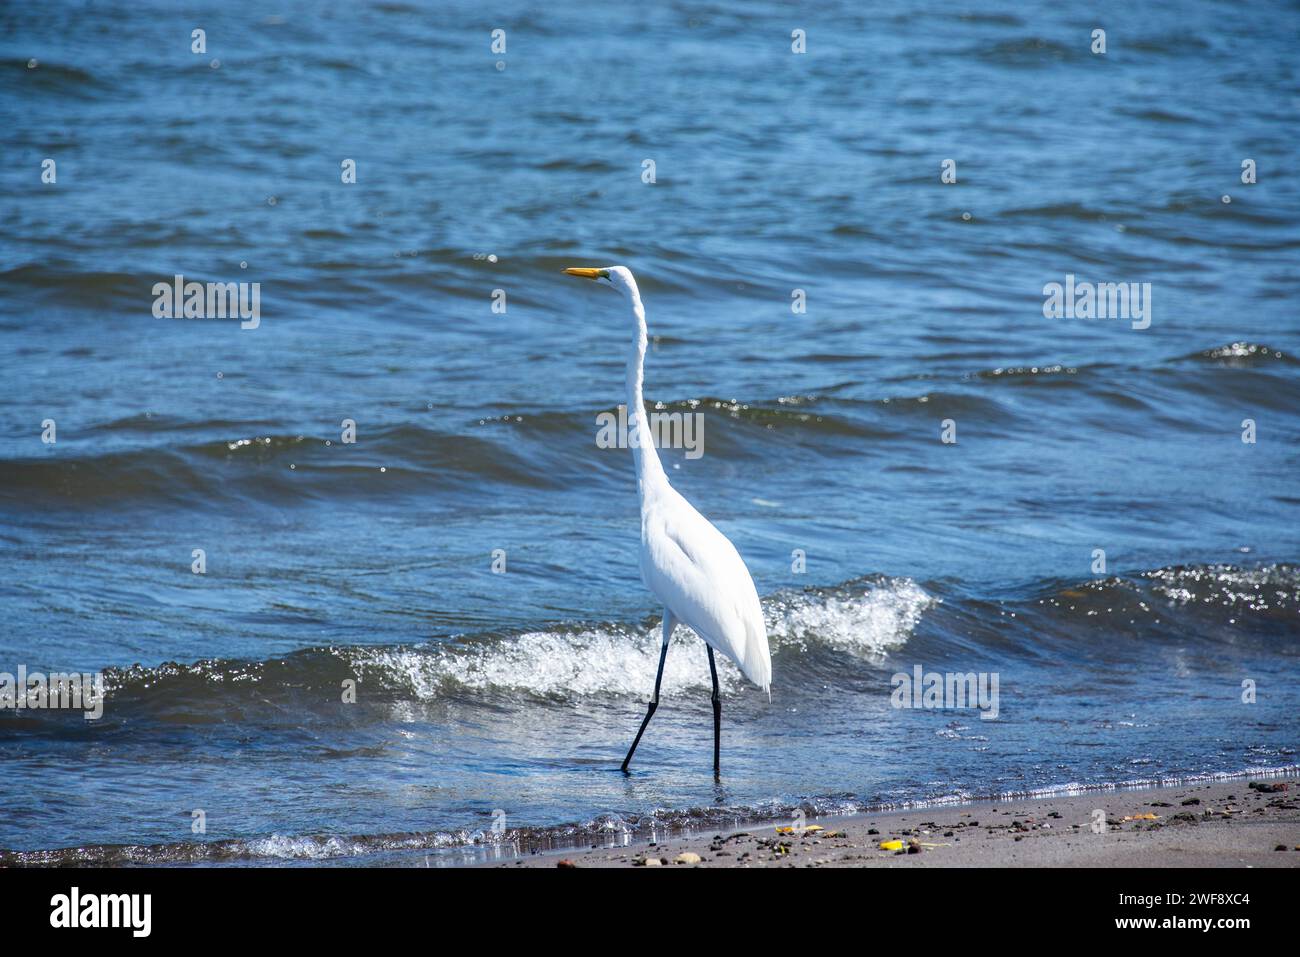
{"x":103,"y":910}
{"x":179,"y":299}
{"x":1103,"y":300}
{"x":37,"y":691}
{"x":668,"y":430}
{"x":931,"y":689}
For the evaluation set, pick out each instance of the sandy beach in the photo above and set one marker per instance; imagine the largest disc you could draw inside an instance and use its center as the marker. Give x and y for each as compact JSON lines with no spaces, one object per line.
{"x":1234,"y":823}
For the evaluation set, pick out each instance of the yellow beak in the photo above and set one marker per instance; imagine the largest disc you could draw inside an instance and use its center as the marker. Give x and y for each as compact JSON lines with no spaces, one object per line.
{"x":585,"y":272}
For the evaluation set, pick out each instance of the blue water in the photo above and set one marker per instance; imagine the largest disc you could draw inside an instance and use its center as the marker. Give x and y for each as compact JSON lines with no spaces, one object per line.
{"x":329,"y":561}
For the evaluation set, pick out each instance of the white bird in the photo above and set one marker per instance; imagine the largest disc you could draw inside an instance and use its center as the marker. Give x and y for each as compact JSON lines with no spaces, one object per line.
{"x":690,"y":566}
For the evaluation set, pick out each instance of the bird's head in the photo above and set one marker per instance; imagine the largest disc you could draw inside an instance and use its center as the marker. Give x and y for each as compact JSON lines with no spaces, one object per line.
{"x":616,"y":277}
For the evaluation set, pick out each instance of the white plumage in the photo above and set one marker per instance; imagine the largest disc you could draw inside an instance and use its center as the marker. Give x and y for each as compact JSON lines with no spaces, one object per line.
{"x":703,"y":582}
{"x":690,"y":566}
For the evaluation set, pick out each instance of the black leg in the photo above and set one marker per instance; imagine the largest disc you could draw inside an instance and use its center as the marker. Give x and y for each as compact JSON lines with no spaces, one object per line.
{"x":717,"y":716}
{"x":654,"y":702}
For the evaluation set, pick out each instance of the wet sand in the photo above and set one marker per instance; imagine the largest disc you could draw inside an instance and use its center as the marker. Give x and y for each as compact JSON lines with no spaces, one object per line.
{"x":1236,"y":823}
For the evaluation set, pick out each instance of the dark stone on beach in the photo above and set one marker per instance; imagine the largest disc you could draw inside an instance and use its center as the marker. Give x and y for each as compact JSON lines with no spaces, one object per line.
{"x":873,"y":831}
{"x":1161,"y":804}
{"x":947,"y":833}
{"x":1280,"y":847}
{"x":1267,"y":787}
{"x":1191,"y":801}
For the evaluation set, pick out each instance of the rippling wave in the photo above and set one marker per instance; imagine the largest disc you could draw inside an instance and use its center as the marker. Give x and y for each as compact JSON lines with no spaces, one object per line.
{"x":837,"y":634}
{"x":160,"y":460}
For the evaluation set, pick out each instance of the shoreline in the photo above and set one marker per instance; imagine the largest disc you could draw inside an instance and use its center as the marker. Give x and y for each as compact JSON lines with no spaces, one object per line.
{"x":1239,"y":822}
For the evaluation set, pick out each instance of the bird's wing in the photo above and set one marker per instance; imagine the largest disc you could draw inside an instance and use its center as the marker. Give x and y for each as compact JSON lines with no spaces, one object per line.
{"x":698,"y":574}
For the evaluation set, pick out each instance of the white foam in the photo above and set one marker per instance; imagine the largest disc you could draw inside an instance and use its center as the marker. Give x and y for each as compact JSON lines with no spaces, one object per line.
{"x":614,"y":660}
{"x":323,"y":847}
{"x":301,"y":848}
{"x":872,"y":623}
{"x":556,"y":664}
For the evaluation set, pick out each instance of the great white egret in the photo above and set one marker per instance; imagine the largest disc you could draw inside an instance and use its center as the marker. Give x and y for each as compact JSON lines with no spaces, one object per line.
{"x":690,"y":566}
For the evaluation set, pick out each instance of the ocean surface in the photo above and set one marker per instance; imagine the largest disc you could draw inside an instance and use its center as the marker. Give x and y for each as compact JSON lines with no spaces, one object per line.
{"x":493,"y":709}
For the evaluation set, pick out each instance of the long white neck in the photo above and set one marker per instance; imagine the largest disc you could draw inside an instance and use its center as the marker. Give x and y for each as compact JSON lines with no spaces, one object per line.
{"x":649,"y":472}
